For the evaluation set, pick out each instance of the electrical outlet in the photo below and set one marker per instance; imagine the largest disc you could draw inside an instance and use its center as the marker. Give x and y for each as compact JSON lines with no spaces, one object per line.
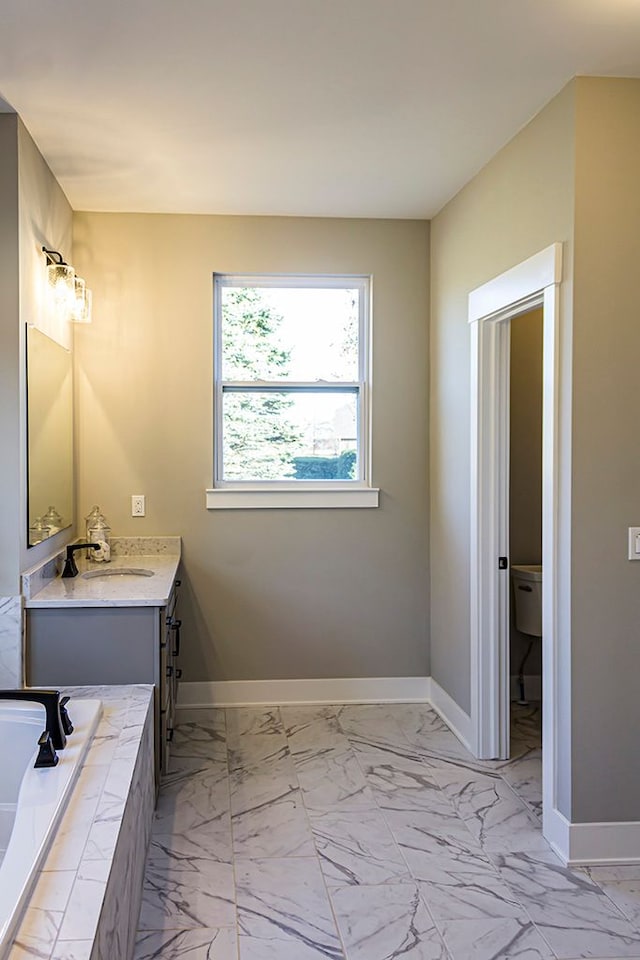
{"x":634,"y":543}
{"x":137,"y":505}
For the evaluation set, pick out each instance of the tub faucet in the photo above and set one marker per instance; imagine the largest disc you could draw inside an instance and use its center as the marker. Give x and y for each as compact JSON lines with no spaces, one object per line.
{"x":58,"y":722}
{"x":70,"y":568}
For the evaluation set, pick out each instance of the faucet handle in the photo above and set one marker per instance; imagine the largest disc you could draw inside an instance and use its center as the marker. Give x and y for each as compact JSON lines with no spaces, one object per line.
{"x":47,"y":756}
{"x":65,"y":719}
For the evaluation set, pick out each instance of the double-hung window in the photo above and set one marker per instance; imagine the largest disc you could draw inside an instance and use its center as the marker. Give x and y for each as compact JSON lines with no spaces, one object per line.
{"x":292,"y":392}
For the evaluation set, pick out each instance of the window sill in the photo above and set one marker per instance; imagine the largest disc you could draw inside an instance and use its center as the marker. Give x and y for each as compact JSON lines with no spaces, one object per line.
{"x":234,"y":498}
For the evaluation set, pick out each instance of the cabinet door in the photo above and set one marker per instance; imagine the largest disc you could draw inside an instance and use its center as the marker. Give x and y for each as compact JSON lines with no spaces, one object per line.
{"x":91,"y":645}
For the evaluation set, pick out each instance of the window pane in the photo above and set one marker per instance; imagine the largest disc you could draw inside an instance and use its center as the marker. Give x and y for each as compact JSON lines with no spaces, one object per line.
{"x":289,"y":333}
{"x":290,"y":436}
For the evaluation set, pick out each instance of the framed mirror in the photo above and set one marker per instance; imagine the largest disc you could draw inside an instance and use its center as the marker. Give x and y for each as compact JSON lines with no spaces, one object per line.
{"x":49,"y":437}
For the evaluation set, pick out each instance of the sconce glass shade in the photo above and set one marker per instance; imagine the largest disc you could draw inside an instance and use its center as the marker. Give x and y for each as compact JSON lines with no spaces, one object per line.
{"x":81,"y":311}
{"x":61,"y":283}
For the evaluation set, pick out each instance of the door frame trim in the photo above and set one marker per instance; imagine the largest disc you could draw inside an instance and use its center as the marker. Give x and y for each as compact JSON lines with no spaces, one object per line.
{"x":534,"y":282}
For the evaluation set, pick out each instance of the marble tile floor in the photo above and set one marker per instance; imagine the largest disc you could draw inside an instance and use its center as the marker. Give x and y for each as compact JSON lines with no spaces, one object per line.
{"x":365,"y":833}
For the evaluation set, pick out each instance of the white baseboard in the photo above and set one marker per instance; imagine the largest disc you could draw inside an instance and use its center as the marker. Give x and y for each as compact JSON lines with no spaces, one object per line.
{"x":556,"y":830}
{"x":592,"y":844}
{"x":599,"y":844}
{"x":254,"y":693}
{"x":241,"y":693}
{"x":454,"y":716}
{"x":532,"y":687}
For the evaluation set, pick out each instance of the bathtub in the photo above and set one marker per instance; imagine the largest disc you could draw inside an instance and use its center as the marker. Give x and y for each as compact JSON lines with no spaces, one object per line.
{"x":32,"y":801}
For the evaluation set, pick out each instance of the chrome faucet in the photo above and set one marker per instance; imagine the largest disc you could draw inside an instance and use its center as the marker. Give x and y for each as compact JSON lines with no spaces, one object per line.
{"x":70,"y":568}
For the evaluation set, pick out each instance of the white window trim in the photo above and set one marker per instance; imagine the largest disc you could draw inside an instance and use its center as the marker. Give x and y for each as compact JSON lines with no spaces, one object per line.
{"x":258,"y":498}
{"x":270,"y":494}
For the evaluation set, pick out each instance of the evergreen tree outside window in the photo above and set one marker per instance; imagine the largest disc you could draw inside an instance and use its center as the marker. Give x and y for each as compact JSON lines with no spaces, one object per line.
{"x":291,"y":381}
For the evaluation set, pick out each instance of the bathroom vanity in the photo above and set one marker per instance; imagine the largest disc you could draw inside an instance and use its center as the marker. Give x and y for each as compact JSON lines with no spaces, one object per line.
{"x":114,"y":623}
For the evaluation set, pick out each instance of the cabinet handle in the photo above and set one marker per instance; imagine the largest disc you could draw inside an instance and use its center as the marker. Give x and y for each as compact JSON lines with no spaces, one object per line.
{"x":179,"y":673}
{"x":169,"y":671}
{"x":169,"y":734}
{"x":175,"y":626}
{"x":178,"y":583}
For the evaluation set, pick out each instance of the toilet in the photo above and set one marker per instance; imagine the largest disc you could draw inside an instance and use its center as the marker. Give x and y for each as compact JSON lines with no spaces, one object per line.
{"x":527,"y":592}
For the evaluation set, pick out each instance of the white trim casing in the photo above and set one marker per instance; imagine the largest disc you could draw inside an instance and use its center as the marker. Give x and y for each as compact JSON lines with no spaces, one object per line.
{"x":531,"y":283}
{"x":237,"y":693}
{"x":276,"y":494}
{"x":256,"y":498}
{"x":555,"y":642}
{"x":507,"y":290}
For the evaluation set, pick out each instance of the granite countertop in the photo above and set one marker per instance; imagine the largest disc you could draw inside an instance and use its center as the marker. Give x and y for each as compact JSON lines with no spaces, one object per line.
{"x":111,"y":591}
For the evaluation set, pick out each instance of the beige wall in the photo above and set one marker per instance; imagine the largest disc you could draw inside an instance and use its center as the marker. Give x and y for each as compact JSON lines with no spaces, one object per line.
{"x":268,"y":593}
{"x":606,"y":452}
{"x":521,"y":202}
{"x":525,"y":461}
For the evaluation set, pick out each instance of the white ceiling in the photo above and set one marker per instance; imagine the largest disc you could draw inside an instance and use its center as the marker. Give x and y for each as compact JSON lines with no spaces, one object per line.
{"x":355,"y":108}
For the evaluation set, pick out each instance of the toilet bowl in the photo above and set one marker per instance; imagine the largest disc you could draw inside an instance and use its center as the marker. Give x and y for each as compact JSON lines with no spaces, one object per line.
{"x":527,"y":592}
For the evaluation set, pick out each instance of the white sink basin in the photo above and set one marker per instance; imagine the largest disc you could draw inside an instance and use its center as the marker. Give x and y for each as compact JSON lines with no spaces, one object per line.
{"x":117,"y":572}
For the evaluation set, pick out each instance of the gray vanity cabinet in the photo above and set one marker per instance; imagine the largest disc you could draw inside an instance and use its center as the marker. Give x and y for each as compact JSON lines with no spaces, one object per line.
{"x":86,"y":646}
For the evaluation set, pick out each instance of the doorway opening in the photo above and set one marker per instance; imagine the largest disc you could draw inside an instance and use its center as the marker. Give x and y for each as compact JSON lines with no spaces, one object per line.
{"x":525,"y":556}
{"x":531,"y":285}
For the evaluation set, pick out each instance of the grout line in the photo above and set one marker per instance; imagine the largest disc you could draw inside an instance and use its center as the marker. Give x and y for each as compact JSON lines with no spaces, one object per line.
{"x":400,"y":850}
{"x":336,"y":925}
{"x":231,"y":840}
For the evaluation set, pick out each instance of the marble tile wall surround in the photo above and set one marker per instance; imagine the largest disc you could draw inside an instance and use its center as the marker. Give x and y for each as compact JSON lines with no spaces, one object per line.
{"x":85,"y":903}
{"x":10,"y":642}
{"x":396,"y":848}
{"x":121,"y":906}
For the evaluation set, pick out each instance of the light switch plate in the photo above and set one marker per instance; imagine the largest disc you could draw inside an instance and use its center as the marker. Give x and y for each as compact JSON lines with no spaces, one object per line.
{"x":634,"y":543}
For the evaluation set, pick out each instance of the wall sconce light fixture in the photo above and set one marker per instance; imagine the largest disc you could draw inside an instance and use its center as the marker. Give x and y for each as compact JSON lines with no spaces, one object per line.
{"x":81,"y":310}
{"x":69,"y":294}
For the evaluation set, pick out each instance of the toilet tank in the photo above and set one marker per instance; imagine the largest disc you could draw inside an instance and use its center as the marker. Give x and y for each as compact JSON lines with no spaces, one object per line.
{"x":527,"y":592}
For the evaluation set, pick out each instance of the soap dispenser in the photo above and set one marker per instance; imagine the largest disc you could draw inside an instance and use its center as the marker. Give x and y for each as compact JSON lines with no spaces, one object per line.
{"x":100,"y":532}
